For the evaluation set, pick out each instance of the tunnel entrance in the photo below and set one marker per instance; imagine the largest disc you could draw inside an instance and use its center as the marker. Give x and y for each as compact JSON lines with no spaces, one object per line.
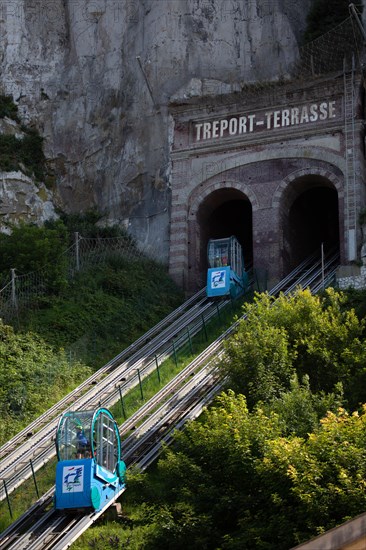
{"x":225,"y":212}
{"x":313,"y":221}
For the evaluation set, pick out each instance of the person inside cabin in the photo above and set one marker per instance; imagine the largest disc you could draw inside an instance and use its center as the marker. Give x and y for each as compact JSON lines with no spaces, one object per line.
{"x":82,"y":443}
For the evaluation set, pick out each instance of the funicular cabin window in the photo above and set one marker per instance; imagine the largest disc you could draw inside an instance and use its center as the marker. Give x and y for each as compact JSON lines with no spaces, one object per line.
{"x":106,"y":451}
{"x":218,"y":255}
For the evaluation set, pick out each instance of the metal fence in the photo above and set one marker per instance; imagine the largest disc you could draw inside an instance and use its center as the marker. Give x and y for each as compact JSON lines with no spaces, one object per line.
{"x":22,"y":292}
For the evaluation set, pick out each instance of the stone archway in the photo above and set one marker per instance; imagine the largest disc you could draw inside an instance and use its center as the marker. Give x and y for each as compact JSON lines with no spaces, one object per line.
{"x":218,"y":211}
{"x":309,"y":217}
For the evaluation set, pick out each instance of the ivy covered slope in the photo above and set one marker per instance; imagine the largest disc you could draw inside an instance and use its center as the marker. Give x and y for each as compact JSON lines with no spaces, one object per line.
{"x":280,"y":456}
{"x":71,"y":326}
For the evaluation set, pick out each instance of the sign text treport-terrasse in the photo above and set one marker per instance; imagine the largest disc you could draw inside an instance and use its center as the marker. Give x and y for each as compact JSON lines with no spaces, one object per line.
{"x":265,"y":120}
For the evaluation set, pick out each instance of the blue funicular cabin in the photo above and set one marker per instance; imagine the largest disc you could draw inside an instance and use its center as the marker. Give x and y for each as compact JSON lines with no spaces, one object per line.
{"x":226,"y":275}
{"x":89,"y":472}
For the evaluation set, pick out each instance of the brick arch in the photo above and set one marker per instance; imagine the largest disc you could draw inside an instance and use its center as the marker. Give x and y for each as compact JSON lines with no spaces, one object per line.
{"x":312,"y":171}
{"x":288,"y":192}
{"x":198,"y":195}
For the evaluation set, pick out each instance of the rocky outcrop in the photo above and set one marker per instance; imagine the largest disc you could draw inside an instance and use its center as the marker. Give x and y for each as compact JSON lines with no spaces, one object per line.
{"x":96,"y":78}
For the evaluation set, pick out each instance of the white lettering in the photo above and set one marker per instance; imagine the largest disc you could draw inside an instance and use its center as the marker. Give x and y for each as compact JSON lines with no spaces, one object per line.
{"x":285,"y":117}
{"x":242,"y":125}
{"x":207,"y":130}
{"x":215,"y":128}
{"x":304,"y":115}
{"x":271,"y":119}
{"x":223,"y":126}
{"x":294,"y":116}
{"x":276,"y":119}
{"x":268,"y":117}
{"x":323,"y":111}
{"x":198,"y":135}
{"x":233,"y":126}
{"x":251,"y":122}
{"x":313,"y":113}
{"x":332,"y":112}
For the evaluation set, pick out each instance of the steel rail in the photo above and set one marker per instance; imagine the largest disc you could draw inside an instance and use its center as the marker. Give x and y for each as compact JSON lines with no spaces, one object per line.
{"x":34,"y":453}
{"x":18,"y":535}
{"x":62,"y":404}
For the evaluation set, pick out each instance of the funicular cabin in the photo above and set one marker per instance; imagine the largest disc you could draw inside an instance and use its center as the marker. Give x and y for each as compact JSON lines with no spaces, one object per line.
{"x":226,"y":275}
{"x":90,"y":472}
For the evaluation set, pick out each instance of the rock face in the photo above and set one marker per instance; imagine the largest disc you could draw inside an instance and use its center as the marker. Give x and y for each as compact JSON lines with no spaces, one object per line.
{"x":96,"y":78}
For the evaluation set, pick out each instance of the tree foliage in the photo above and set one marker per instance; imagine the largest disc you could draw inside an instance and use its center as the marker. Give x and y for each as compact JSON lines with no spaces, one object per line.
{"x":234,"y":481}
{"x":303,"y":334}
{"x":8,"y":108}
{"x":283,"y":465}
{"x":24,"y":153}
{"x":30,"y":248}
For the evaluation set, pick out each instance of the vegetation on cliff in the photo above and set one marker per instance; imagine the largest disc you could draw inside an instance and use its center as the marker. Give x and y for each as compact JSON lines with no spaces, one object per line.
{"x":20,"y":153}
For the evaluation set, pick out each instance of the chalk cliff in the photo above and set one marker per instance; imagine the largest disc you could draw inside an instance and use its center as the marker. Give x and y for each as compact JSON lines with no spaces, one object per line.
{"x":96,"y":76}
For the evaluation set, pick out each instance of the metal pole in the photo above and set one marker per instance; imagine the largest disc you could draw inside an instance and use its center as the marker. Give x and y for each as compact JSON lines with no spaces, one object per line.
{"x":146,"y":80}
{"x":218,"y":311}
{"x":13,"y":292}
{"x":34,"y":478}
{"x":190,"y":340}
{"x":157,"y":368}
{"x":77,"y":251}
{"x":7,"y":499}
{"x":140,"y":382}
{"x":353,"y":11}
{"x":204,"y":326}
{"x":175,"y":354}
{"x":122,"y":403}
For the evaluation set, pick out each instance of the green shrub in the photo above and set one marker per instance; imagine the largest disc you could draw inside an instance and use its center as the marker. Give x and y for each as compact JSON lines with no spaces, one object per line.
{"x":30,"y":248}
{"x":26,"y":151}
{"x":8,"y":108}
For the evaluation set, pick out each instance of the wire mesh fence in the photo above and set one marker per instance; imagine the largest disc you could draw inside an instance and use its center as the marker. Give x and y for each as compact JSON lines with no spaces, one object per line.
{"x":340,"y":49}
{"x":332,"y":51}
{"x":23,"y":292}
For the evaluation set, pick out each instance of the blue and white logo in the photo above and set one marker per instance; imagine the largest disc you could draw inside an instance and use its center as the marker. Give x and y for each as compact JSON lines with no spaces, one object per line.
{"x":73,"y":479}
{"x":218,"y":279}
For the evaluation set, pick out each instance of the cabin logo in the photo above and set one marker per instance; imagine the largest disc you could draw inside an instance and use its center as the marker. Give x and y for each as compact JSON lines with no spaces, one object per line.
{"x":218,"y":279}
{"x":73,"y":479}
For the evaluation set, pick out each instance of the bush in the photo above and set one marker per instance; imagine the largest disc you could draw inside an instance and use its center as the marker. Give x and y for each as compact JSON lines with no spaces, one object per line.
{"x":8,"y":108}
{"x":26,"y":151}
{"x":30,"y":248}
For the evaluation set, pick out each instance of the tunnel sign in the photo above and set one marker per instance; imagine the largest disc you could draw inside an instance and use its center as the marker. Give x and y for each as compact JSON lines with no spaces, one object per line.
{"x":264,"y":120}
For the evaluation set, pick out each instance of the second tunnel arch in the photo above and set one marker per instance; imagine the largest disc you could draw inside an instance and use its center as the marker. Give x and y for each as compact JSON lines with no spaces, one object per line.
{"x":309,"y":219}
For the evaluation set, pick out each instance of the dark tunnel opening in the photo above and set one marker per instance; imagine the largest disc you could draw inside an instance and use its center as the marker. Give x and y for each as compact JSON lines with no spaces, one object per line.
{"x":313,"y":221}
{"x":226,"y":213}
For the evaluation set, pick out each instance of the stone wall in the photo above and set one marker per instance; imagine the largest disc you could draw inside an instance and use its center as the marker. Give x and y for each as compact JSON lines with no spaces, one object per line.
{"x":351,"y":277}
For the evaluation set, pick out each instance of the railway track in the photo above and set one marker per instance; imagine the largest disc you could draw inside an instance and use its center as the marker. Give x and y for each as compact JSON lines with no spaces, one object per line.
{"x":34,"y":446}
{"x":42,"y":527}
{"x":181,"y":400}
